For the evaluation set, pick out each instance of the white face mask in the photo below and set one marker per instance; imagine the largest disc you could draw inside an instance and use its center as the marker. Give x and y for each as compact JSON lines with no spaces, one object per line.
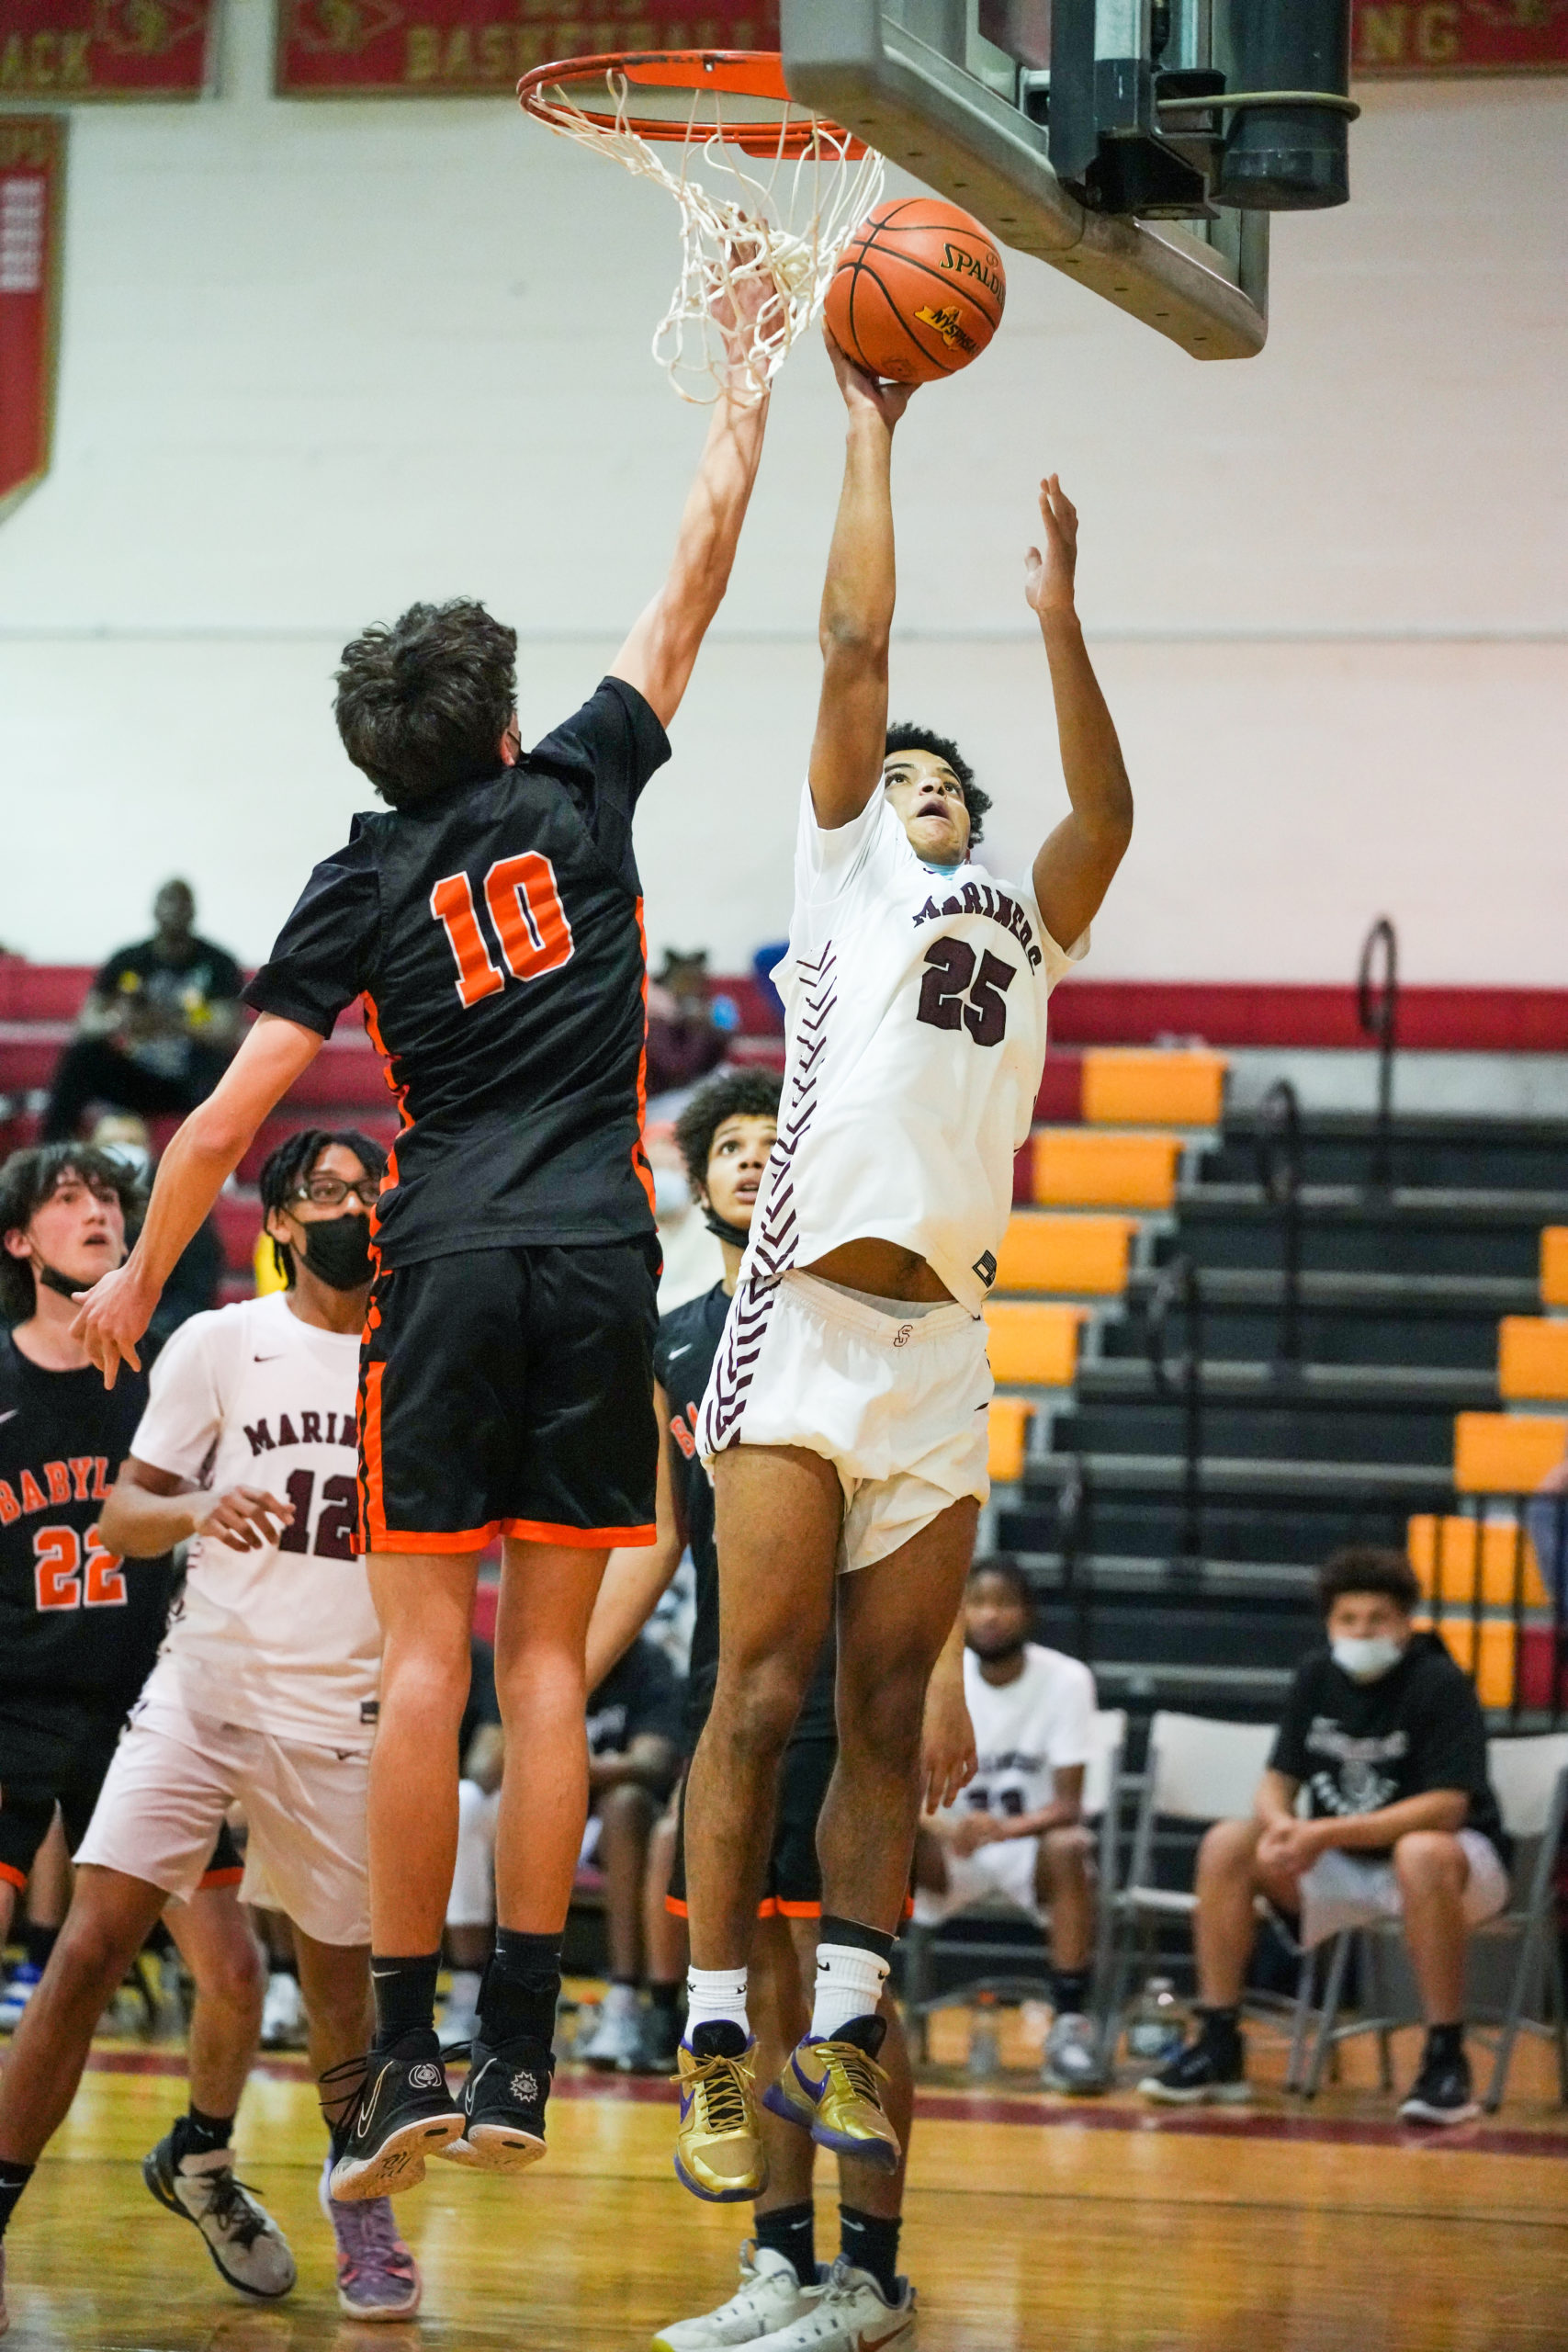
{"x":1369,"y":1658}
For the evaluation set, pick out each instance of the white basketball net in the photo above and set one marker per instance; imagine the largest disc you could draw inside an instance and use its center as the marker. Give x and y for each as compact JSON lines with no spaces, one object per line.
{"x":784,"y":220}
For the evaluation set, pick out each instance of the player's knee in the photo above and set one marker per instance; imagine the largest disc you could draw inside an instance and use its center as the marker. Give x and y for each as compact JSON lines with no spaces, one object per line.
{"x":91,"y":1955}
{"x":1229,"y":1850}
{"x":628,"y":1809}
{"x":757,"y":1706}
{"x":1064,"y":1856}
{"x":232,"y":1972}
{"x":1427,"y":1860}
{"x":424,"y":1685}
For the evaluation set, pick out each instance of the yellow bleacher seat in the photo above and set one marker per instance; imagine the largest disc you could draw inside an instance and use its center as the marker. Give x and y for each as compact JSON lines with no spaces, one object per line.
{"x":1461,"y":1549}
{"x":1495,"y":1676}
{"x":1009,"y":1425}
{"x":1076,"y":1168}
{"x":1083,"y":1254}
{"x":1532,"y":1359}
{"x":1172,"y":1089}
{"x":1505,"y":1453}
{"x":1033,"y":1343}
{"x":1554,"y":1265}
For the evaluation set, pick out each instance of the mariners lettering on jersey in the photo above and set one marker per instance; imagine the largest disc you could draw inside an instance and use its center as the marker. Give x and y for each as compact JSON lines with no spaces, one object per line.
{"x":82,"y":1478}
{"x":981,"y":898}
{"x":314,"y":1429}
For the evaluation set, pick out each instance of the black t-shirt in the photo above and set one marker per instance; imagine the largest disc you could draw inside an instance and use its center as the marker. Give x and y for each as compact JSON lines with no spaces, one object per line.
{"x":1358,"y":1747}
{"x":78,"y":1625}
{"x":639,"y":1697}
{"x":186,"y":980}
{"x":495,"y":932}
{"x":682,"y":1359}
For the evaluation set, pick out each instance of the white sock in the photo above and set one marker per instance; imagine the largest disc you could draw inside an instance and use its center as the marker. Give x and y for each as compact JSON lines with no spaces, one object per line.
{"x":713,"y":1994}
{"x":620,"y":2001}
{"x":464,"y":1993}
{"x":848,"y":1985}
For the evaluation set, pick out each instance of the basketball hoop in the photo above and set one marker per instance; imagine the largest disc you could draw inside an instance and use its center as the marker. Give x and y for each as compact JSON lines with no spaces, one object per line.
{"x":784,"y":223}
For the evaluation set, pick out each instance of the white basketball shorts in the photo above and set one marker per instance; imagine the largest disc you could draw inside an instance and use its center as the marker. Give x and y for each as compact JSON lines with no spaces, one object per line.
{"x":173,"y":1778}
{"x":1002,"y":1871}
{"x":898,"y":1403}
{"x":1345,"y":1890}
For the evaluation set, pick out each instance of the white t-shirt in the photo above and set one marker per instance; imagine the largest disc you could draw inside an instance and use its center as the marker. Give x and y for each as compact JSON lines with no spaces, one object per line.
{"x":282,"y":1640}
{"x":915,"y":1023}
{"x":1027,"y":1730}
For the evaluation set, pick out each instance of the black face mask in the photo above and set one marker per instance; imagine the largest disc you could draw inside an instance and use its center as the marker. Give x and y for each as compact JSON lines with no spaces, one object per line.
{"x":64,"y":1286}
{"x":735,"y":1234}
{"x":337,"y":1250}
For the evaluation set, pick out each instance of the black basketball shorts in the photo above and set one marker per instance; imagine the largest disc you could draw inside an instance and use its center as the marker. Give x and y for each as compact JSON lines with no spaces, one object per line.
{"x":61,"y":1756}
{"x":792,"y":1887}
{"x":510,"y":1391}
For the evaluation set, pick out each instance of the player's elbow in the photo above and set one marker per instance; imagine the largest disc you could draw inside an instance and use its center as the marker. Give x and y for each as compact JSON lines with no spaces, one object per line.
{"x":852,"y":645}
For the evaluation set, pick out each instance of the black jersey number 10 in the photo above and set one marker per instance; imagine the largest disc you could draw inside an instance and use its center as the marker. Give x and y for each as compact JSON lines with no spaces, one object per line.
{"x":530,"y":925}
{"x":954,"y":994}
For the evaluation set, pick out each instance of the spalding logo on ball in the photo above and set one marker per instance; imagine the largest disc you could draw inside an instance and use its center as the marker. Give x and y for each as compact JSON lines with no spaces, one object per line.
{"x":918,"y":292}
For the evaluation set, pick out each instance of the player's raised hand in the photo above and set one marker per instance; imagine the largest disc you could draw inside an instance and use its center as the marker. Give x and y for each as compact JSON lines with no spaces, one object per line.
{"x":863,"y":392}
{"x":114,"y":1315}
{"x":748,"y":309}
{"x":245,"y":1518}
{"x":1048,"y":576}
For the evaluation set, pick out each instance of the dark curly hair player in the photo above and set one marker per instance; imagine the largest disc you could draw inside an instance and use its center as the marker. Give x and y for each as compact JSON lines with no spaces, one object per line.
{"x":490,"y":920}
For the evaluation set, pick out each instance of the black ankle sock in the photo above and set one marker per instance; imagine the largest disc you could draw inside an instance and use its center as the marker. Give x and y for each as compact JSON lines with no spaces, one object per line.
{"x":666,"y":1998}
{"x":832,"y":1929}
{"x":521,"y":1988}
{"x":791,"y":2229}
{"x":871,"y":2243}
{"x":1445,"y":2042}
{"x":405,"y":1995}
{"x":1216,"y":2020}
{"x":40,"y":1943}
{"x":14,"y":2179}
{"x":196,"y":2134}
{"x":1070,"y":1989}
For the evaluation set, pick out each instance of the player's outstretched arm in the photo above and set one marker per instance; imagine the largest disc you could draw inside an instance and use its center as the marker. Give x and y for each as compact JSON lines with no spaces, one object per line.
{"x":857,"y":602}
{"x":201,"y":1157}
{"x":150,"y":1511}
{"x":636,"y":1576}
{"x":1074,"y":869}
{"x":660,"y":655}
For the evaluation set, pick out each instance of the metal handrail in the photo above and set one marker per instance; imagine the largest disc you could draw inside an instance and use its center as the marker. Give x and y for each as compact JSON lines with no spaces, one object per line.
{"x":1075,"y":1535}
{"x":1180,"y":1280}
{"x":1377,"y":1008}
{"x":1279,"y":1150}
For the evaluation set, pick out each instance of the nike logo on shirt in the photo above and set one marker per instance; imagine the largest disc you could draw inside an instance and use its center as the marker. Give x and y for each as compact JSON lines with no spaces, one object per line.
{"x":11,"y":1415}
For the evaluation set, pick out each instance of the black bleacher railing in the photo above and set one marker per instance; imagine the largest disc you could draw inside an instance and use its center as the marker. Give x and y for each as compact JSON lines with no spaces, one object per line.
{"x":1179,"y":1285}
{"x":1279,"y":1151}
{"x":1377,"y":1008}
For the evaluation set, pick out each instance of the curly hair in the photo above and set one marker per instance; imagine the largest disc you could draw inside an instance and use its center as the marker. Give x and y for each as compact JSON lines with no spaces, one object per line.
{"x":1368,"y":1567}
{"x":296,"y":1156}
{"x":30,"y":1178}
{"x":904,"y":737}
{"x":423,"y":704}
{"x":734,"y":1094}
{"x":1008,"y":1571}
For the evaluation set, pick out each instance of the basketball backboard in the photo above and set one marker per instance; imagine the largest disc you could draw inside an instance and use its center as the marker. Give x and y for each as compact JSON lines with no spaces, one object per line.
{"x":1132,"y":101}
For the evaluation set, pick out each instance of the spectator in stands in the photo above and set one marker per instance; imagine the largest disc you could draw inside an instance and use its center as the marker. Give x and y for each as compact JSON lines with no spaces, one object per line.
{"x":161,"y":1021}
{"x":192,"y":1288}
{"x":470,"y":1908}
{"x":633,"y":1754}
{"x":1386,"y":1737}
{"x":684,"y":1041}
{"x":1016,"y":1831}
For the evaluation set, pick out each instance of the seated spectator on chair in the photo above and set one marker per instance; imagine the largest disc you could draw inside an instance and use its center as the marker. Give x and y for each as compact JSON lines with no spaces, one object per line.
{"x":470,"y":1908}
{"x":684,"y":1041}
{"x":160,"y":1023}
{"x":633,"y":1754}
{"x":1015,"y":1831}
{"x":1386,"y":1737}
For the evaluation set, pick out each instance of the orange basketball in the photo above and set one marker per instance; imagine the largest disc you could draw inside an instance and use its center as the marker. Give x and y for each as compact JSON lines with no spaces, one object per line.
{"x":918,"y":292}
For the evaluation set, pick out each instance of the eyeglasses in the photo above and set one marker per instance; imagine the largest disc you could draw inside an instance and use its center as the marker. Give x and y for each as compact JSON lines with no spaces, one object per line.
{"x":331,"y":1191}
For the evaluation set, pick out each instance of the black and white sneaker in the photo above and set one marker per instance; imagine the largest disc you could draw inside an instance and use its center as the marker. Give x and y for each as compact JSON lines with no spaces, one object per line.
{"x":246,"y":2245}
{"x":1441,"y":2092}
{"x":1210,"y":2071}
{"x":503,"y":2106}
{"x":406,"y":2112}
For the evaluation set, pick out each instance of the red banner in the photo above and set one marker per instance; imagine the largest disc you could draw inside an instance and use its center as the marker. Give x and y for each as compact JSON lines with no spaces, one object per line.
{"x":442,"y":49}
{"x":32,"y":206}
{"x":73,"y":49}
{"x":1459,"y":36}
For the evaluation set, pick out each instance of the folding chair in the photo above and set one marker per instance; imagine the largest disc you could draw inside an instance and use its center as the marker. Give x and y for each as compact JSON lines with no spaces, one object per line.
{"x":1102,"y":1809}
{"x":1530,"y":1778}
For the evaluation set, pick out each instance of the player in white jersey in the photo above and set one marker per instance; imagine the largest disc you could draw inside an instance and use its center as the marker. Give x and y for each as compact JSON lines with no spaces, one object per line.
{"x":264,"y":1695}
{"x":845,"y":1420}
{"x":1017,"y":1830}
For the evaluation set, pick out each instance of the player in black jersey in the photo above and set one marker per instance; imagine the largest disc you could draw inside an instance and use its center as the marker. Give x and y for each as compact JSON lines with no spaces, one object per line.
{"x":79,"y":1631}
{"x":724,"y":1133}
{"x":492,"y":921}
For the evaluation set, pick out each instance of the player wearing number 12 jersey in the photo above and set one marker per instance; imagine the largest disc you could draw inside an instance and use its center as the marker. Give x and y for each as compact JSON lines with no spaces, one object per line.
{"x":846,"y":1417}
{"x":491,"y":922}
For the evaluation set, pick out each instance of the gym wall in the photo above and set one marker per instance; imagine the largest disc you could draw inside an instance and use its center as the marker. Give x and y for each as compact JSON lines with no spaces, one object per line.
{"x":320,"y":359}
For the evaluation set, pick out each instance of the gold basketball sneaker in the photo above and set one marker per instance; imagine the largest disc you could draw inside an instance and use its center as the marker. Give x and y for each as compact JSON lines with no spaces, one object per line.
{"x":833,"y":2089}
{"x":719,"y":2150}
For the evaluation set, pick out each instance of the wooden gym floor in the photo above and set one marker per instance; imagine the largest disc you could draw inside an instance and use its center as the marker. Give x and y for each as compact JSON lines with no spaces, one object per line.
{"x":1031,"y":2222}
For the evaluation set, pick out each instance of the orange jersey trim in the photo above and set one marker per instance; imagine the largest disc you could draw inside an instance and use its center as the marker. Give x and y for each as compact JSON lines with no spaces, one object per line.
{"x":466,"y":1539}
{"x":587,"y":1539}
{"x":372,"y":1503}
{"x":640,"y":1167}
{"x":12,"y":1877}
{"x":228,"y":1875}
{"x":797,"y":1910}
{"x":676,"y":1908}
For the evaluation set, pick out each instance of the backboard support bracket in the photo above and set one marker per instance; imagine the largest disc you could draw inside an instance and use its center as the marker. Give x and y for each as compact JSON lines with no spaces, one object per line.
{"x":1205,"y":287}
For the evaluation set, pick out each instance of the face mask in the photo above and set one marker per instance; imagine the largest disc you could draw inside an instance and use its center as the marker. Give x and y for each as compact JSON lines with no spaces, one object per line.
{"x":337,"y":1250}
{"x":66,"y":1285}
{"x":1367,"y":1660}
{"x":737,"y":1236}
